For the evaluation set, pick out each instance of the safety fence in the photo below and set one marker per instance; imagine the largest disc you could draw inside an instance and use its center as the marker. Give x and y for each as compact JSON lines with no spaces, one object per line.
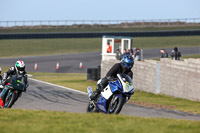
{"x":100,"y":23}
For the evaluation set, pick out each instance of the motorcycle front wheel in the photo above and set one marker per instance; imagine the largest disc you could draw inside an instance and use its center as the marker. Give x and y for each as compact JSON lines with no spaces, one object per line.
{"x":116,"y":104}
{"x":91,"y":108}
{"x":10,"y":99}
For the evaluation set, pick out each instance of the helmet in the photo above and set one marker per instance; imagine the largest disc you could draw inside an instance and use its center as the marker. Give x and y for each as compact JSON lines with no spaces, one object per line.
{"x":20,"y":67}
{"x":128,"y":61}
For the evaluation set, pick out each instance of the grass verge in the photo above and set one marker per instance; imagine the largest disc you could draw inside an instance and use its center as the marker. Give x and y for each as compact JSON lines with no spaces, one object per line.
{"x":32,"y":47}
{"x":195,"y":56}
{"x":27,"y":121}
{"x":79,"y":82}
{"x":94,"y":29}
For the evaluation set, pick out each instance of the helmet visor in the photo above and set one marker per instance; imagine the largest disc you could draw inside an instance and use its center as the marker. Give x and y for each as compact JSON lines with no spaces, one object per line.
{"x":130,"y":64}
{"x":21,"y":68}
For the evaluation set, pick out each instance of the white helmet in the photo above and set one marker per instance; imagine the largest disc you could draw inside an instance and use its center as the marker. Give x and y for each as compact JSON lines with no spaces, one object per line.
{"x":20,"y":67}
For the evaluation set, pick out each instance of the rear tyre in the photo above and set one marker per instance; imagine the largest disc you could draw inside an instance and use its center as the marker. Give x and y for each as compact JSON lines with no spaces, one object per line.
{"x":116,"y":104}
{"x":91,"y":108}
{"x":10,"y":99}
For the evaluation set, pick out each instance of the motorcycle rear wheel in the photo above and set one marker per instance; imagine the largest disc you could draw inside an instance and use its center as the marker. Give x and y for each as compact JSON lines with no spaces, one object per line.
{"x":116,"y":104}
{"x":9,"y":100}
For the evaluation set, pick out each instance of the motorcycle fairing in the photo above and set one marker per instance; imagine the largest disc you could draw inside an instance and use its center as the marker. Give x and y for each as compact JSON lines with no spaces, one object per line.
{"x":17,"y":83}
{"x":115,"y":86}
{"x":126,"y":82}
{"x":107,"y":92}
{"x":105,"y":95}
{"x":101,"y":104}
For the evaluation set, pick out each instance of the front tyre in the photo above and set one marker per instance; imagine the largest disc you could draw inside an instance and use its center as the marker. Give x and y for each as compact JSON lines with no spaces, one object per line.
{"x":18,"y":94}
{"x":91,"y":108}
{"x":116,"y":104}
{"x":10,"y":99}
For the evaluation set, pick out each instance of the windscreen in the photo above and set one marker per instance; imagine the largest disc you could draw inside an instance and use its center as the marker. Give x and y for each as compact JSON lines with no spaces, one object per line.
{"x":126,"y":78}
{"x":17,"y":78}
{"x":17,"y":82}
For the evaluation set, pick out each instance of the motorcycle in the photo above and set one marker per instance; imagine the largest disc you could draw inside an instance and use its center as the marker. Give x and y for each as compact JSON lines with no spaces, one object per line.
{"x":15,"y":88}
{"x":113,"y":96}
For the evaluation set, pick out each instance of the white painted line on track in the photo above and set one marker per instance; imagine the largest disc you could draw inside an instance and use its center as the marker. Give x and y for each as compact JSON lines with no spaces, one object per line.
{"x":60,"y":86}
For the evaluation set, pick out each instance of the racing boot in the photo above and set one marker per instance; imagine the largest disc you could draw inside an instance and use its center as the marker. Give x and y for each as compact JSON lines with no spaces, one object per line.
{"x":95,"y":93}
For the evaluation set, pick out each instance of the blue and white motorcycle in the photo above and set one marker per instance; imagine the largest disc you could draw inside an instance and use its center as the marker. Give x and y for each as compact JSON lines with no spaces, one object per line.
{"x":113,"y":97}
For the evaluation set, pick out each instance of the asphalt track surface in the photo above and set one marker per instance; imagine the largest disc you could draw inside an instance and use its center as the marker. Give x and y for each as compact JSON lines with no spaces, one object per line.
{"x":43,"y":96}
{"x":69,"y":63}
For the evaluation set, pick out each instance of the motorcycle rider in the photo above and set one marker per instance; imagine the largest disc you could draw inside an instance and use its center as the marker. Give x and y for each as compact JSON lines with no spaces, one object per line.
{"x":123,"y":67}
{"x":18,"y":69}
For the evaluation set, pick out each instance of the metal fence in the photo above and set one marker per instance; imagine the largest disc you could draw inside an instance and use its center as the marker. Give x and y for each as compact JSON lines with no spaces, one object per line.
{"x":101,"y":23}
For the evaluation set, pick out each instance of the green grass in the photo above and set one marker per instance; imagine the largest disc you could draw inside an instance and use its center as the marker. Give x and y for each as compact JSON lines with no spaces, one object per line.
{"x":79,"y":82}
{"x":166,"y":102}
{"x":4,"y":69}
{"x":195,"y":56}
{"x":27,"y":121}
{"x":31,"y":47}
{"x":95,"y":29}
{"x":166,"y":42}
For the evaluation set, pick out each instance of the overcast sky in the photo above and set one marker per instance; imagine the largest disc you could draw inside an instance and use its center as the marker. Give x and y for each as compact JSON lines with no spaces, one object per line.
{"x":98,"y":9}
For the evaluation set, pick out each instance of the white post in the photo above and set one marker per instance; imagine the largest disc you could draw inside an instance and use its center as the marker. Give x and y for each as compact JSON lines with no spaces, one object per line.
{"x":157,"y":78}
{"x":141,"y":52}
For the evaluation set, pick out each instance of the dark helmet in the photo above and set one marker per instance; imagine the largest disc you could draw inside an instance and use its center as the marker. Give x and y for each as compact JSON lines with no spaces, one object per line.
{"x":128,"y":61}
{"x":175,"y":49}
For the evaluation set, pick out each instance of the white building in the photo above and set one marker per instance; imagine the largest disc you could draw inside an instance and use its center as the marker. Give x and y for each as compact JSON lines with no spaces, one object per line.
{"x":115,"y":42}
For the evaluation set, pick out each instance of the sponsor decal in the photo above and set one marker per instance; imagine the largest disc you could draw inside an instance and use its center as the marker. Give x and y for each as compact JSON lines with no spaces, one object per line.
{"x":101,"y":107}
{"x":127,"y":85}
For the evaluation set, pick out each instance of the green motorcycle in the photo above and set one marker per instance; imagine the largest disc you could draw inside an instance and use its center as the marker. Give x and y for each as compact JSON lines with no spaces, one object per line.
{"x":14,"y":90}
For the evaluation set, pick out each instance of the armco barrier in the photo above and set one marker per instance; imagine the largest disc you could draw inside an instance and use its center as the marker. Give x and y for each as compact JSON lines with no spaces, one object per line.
{"x":98,"y":34}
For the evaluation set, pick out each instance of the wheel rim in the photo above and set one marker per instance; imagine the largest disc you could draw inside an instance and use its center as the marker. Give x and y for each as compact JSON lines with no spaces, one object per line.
{"x":7,"y":100}
{"x":113,"y":104}
{"x":91,"y":107}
